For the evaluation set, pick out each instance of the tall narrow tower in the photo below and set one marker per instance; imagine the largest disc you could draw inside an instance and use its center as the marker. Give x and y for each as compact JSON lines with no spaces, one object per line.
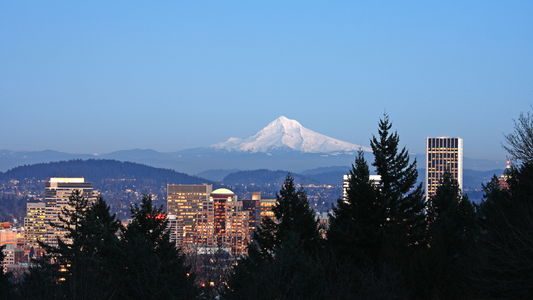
{"x":443,"y":154}
{"x":34,"y":224}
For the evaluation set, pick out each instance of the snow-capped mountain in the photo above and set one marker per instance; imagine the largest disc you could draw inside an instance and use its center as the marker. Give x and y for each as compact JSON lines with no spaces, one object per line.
{"x":287,"y":134}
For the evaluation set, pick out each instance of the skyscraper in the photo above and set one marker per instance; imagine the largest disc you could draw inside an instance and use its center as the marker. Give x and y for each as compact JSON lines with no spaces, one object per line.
{"x":207,"y":220}
{"x":185,"y":202}
{"x":230,"y":221}
{"x":34,"y":224}
{"x":443,"y":154}
{"x":253,"y":207}
{"x":57,"y":193}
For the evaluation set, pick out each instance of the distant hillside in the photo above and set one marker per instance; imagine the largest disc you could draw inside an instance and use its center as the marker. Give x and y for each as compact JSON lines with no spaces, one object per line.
{"x":216,"y":175}
{"x":473,"y":179}
{"x":339,"y":169}
{"x":94,"y":170}
{"x":263,"y":176}
{"x":331,"y":178}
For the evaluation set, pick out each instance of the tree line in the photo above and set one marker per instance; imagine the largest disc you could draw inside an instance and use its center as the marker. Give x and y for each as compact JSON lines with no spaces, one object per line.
{"x":102,"y":259}
{"x":386,"y":241}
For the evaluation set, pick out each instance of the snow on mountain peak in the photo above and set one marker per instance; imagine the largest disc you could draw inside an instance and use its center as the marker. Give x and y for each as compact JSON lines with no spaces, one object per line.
{"x":287,"y":134}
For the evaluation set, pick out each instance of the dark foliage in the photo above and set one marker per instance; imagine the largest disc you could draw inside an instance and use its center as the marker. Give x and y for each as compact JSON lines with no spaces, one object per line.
{"x":88,"y":259}
{"x":278,"y":262}
{"x":5,"y":286}
{"x":96,"y":264}
{"x":506,"y":254}
{"x":402,"y":201}
{"x":356,"y":225}
{"x":451,"y":233}
{"x":154,"y":266}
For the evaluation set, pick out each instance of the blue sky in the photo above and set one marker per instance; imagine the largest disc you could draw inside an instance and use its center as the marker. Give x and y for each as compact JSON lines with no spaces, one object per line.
{"x":103,"y":76}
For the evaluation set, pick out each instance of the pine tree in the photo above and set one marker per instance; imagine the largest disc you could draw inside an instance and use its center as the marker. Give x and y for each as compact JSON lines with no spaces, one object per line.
{"x":5,"y":286}
{"x":452,"y":219}
{"x":293,"y":216}
{"x":87,"y":255}
{"x":356,"y":225}
{"x":293,"y":235}
{"x":155,"y":266}
{"x":506,"y":263}
{"x":402,"y":201}
{"x":494,"y":205}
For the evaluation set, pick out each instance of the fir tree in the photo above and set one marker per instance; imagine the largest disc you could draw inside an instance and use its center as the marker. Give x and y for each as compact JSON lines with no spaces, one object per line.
{"x":356,"y":224}
{"x":452,"y":219}
{"x":280,"y":249}
{"x":155,"y":266}
{"x":452,"y":229}
{"x":439,"y":270}
{"x":293,"y":216}
{"x":494,"y":205}
{"x":5,"y":286}
{"x":88,"y":254}
{"x":506,"y":257}
{"x":401,"y":200}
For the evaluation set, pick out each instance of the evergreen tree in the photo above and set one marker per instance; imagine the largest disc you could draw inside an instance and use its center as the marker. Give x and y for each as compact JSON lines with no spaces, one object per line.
{"x":5,"y":286}
{"x":452,"y":219}
{"x":402,"y":201}
{"x":155,"y":267}
{"x":278,"y":264}
{"x":356,"y":225}
{"x":495,"y":203}
{"x":88,"y":254}
{"x":266,"y":241}
{"x":41,"y":283}
{"x":293,"y":216}
{"x":451,"y":231}
{"x":506,"y":256}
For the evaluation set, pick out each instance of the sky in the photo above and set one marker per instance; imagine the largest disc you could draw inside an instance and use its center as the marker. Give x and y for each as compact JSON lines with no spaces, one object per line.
{"x":104,"y":76}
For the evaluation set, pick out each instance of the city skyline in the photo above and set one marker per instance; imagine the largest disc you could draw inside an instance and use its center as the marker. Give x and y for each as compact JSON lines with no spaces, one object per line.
{"x":131,"y":76}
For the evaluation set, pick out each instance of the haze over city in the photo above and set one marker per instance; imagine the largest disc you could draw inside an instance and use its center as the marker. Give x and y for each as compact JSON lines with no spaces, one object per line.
{"x":100,"y":77}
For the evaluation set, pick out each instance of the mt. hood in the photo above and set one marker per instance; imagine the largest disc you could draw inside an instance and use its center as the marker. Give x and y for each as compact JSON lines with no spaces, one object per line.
{"x":287,"y":134}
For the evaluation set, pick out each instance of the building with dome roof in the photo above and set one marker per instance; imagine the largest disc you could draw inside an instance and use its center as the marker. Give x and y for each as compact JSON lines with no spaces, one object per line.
{"x":506,"y":174}
{"x":208,"y":221}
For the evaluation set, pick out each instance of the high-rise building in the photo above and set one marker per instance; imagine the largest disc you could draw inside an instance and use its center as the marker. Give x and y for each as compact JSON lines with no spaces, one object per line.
{"x":185,"y":202}
{"x":443,"y":154}
{"x":266,"y":205}
{"x":230,"y":221}
{"x":57,"y":193}
{"x":207,"y":220}
{"x":34,"y":224}
{"x":253,"y":207}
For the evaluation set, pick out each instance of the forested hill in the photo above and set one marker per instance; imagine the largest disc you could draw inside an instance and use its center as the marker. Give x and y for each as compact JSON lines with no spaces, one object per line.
{"x":263,"y":176}
{"x":94,"y":170}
